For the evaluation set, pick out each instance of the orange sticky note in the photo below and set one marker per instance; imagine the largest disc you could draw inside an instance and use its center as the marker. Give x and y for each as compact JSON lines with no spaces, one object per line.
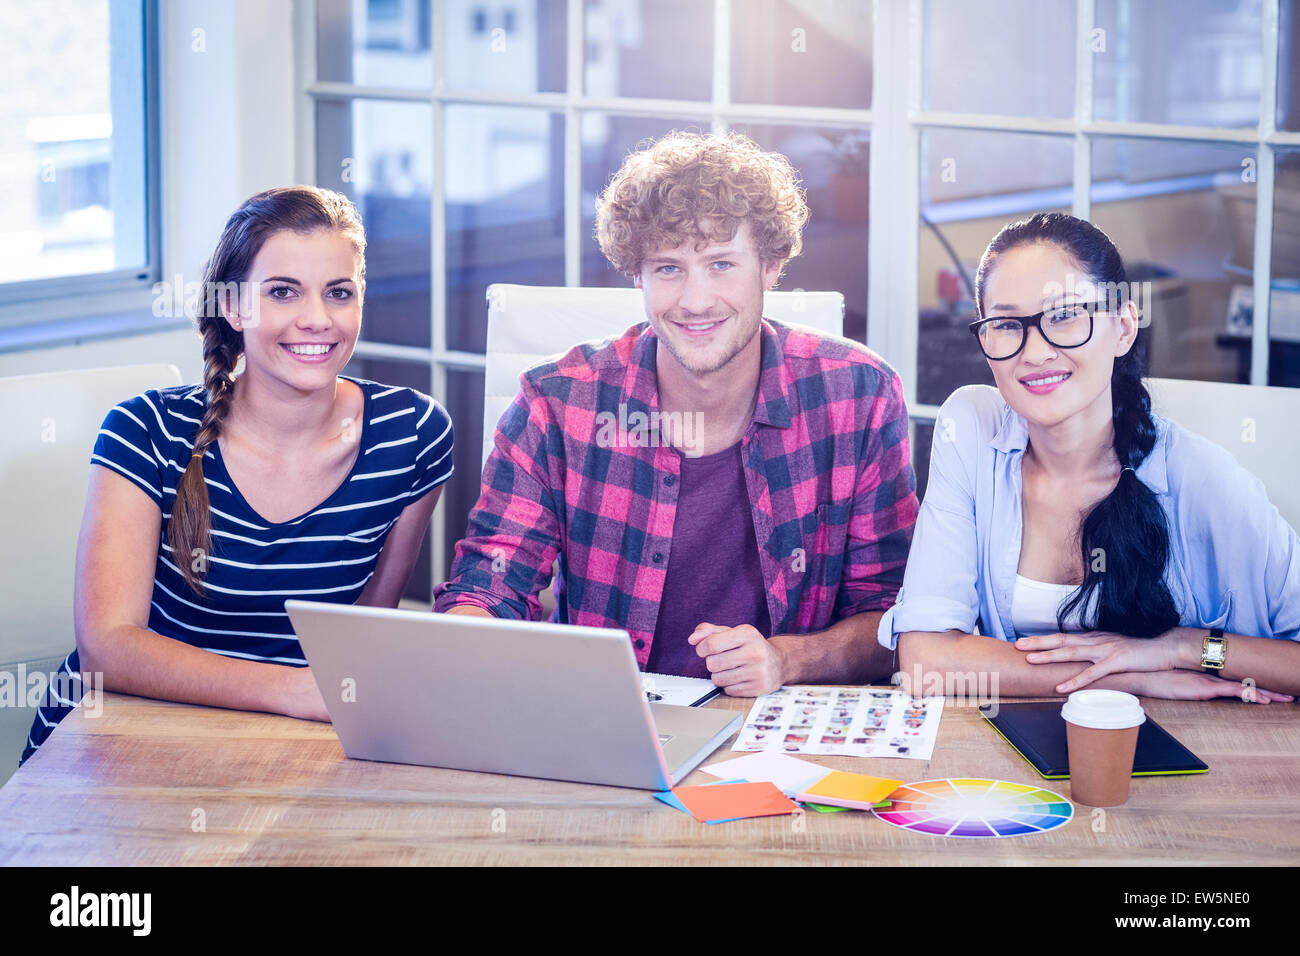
{"x":732,"y":801}
{"x":856,"y":790}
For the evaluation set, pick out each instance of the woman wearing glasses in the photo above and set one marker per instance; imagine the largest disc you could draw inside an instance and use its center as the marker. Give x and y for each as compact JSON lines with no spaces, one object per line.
{"x":1095,"y":543}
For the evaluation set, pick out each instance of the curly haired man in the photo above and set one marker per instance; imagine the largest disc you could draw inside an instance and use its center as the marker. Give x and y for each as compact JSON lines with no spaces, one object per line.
{"x":734,"y":492}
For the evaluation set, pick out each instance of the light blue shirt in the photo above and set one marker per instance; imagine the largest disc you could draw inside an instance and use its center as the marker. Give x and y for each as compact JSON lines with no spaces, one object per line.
{"x":1234,"y":562}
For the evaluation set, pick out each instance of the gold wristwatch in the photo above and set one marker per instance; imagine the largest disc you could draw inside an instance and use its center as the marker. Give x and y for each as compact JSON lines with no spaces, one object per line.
{"x":1214,"y":652}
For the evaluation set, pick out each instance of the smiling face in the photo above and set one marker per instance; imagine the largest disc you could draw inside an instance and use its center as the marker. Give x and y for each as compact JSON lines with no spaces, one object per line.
{"x":706,"y":304}
{"x":1046,"y":384}
{"x":300,"y":309}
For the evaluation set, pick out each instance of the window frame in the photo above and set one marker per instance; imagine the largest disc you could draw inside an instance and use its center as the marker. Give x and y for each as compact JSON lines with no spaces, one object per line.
{"x":116,"y":290}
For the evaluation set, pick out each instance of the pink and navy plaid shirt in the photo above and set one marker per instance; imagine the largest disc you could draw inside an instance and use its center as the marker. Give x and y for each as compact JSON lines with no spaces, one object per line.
{"x":826,"y":461}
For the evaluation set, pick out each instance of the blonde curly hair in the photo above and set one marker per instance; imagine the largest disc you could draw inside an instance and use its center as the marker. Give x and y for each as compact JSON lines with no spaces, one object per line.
{"x":692,"y":186}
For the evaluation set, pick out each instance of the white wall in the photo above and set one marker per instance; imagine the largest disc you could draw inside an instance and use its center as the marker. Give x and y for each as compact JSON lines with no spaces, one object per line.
{"x":228,"y":112}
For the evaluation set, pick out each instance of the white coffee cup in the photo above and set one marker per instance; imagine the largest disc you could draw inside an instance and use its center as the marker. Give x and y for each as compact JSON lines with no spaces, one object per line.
{"x":1101,"y":730}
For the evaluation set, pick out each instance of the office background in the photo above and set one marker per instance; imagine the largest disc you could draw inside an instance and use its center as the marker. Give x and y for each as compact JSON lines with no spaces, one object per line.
{"x":474,"y":136}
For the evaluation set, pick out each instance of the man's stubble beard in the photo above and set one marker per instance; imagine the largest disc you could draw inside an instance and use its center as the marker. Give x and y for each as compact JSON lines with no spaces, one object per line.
{"x":726,"y":358}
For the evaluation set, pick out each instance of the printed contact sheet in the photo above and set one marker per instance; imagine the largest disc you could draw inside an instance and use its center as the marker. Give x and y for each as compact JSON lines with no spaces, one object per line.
{"x":844,"y":721}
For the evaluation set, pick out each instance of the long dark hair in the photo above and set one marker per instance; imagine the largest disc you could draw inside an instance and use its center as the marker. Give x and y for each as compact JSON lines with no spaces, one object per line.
{"x":301,"y":209}
{"x":1124,"y":539}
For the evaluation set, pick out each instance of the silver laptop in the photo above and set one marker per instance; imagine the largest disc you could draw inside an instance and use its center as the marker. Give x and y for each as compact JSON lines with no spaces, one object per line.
{"x":514,"y":697}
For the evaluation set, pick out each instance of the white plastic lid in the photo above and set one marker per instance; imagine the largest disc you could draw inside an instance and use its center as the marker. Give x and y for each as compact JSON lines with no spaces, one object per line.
{"x":1103,"y":709}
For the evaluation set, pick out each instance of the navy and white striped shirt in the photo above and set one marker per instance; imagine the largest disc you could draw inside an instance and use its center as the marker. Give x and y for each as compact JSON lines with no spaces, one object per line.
{"x":255,"y":565}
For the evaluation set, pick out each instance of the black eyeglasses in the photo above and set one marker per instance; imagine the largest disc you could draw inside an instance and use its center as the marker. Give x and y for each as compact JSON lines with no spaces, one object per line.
{"x":1063,"y":326}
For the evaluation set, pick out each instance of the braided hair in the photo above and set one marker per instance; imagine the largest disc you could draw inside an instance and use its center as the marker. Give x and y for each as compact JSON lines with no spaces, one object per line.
{"x":301,"y":209}
{"x":1125,"y":592}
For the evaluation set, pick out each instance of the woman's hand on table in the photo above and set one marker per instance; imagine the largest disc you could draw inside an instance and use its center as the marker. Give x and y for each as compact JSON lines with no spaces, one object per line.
{"x":1157,"y":665}
{"x":1107,"y":653}
{"x":1189,"y":685}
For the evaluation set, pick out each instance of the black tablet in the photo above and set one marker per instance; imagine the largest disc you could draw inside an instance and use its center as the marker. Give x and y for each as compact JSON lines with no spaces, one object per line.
{"x":1036,"y":730}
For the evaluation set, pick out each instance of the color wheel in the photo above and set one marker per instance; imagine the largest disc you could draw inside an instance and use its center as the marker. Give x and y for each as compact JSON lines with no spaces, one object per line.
{"x":975,"y":807}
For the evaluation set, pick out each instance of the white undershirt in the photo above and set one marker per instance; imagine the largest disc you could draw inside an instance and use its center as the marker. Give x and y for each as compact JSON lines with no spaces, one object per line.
{"x":1034,"y":605}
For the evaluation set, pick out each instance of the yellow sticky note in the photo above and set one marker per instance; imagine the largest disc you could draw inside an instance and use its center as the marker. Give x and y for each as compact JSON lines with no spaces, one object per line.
{"x":856,"y":790}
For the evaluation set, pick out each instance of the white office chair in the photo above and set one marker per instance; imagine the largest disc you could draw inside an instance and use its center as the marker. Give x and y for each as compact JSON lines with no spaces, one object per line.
{"x":527,"y":324}
{"x":51,"y":423}
{"x":1256,"y":423}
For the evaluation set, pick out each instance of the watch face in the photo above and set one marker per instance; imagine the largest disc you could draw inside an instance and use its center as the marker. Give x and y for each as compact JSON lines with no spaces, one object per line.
{"x":1214,"y":653}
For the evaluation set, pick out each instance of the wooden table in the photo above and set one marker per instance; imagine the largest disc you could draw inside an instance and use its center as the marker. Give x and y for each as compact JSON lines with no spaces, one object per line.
{"x":158,"y":783}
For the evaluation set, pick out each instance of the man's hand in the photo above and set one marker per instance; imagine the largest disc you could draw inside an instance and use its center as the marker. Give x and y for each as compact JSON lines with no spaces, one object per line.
{"x":741,"y":660}
{"x":469,"y":610}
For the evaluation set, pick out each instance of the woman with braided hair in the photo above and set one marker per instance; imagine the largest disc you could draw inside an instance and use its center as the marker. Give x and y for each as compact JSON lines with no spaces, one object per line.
{"x":276,"y":478}
{"x":1094,"y":542}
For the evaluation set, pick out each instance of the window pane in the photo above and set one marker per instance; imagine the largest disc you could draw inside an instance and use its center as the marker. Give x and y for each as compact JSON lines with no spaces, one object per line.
{"x":991,"y":170}
{"x":606,"y":142}
{"x":1189,"y":62}
{"x":374,"y":43}
{"x":1284,"y":302}
{"x":1187,"y":240}
{"x":518,"y":48}
{"x":972,"y":184}
{"x":505,"y":209}
{"x":833,"y":164}
{"x":408,"y":375}
{"x":662,"y":49}
{"x":464,"y":402}
{"x":802,"y":53}
{"x":377,"y":153}
{"x":1288,"y":66}
{"x":1136,"y":161}
{"x":72,"y":139}
{"x":1013,"y":57}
